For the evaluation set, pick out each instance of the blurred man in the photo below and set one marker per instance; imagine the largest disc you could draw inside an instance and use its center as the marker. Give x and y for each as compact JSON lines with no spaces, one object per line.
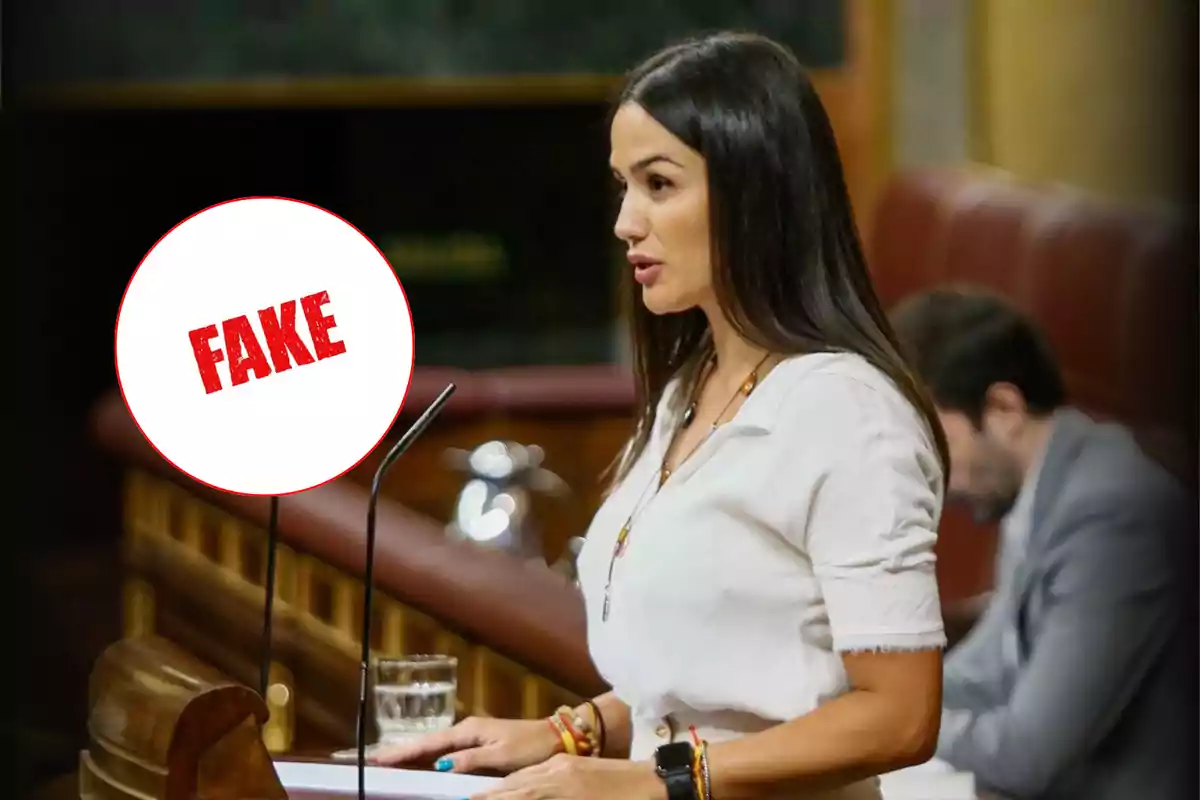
{"x":1076,"y":682}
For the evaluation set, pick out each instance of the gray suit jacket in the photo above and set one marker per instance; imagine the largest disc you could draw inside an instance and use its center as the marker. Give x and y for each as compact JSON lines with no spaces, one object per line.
{"x":1100,"y":701}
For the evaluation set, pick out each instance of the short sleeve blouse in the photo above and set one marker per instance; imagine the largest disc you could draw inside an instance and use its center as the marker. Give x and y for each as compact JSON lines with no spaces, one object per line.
{"x":802,"y":528}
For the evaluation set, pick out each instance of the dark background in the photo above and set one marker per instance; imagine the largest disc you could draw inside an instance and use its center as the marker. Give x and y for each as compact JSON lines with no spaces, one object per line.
{"x":87,"y":192}
{"x":94,"y":190}
{"x":158,"y":40}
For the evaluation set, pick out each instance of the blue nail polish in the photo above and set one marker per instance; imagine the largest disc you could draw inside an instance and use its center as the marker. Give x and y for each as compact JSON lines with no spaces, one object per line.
{"x":443,"y":765}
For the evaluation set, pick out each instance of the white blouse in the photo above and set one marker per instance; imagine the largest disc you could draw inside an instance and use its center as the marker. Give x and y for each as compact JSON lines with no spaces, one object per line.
{"x":803,"y":528}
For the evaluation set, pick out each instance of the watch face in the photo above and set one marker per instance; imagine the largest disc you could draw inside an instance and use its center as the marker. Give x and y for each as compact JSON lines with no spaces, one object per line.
{"x":677,"y":755}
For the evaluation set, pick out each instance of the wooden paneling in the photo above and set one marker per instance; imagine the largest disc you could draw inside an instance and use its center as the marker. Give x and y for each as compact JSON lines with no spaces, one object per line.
{"x":201,"y":599}
{"x":532,"y":615}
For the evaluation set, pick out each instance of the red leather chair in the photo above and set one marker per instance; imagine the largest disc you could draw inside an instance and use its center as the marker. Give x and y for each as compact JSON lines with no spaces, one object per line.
{"x":1114,"y":287}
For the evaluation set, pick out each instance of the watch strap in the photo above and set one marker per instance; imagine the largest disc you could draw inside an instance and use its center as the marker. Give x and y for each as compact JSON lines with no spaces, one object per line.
{"x":679,"y":777}
{"x":681,"y":784}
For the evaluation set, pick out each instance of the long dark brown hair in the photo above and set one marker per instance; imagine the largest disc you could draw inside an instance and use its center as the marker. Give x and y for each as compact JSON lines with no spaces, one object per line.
{"x":788,"y":266}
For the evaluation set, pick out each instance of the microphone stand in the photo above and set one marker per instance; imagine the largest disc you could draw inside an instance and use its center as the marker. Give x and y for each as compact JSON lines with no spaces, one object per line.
{"x":272,"y":540}
{"x":397,"y":450}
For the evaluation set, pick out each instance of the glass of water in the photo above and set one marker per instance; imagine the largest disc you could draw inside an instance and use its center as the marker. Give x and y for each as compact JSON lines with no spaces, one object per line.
{"x":414,"y":695}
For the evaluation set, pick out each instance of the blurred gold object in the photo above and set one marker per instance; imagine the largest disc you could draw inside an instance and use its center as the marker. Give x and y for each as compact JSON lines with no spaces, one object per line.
{"x":279,"y":731}
{"x":139,"y":608}
{"x":164,"y":726}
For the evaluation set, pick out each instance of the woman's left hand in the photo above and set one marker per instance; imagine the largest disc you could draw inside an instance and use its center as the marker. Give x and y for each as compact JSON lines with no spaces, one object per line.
{"x":566,"y":777}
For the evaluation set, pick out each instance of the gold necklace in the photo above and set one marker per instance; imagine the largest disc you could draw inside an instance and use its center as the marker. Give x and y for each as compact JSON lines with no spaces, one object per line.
{"x":747,"y":386}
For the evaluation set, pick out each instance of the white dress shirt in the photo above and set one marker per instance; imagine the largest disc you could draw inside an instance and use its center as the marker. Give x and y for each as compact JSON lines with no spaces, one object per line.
{"x":962,"y":666}
{"x":801,"y":529}
{"x":1015,"y":529}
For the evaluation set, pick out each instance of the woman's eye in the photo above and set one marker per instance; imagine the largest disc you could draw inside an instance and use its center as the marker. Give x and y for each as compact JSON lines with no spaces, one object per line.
{"x":657,"y":183}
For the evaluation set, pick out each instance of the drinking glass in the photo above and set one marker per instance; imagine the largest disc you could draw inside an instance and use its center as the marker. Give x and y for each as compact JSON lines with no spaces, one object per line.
{"x":414,"y":695}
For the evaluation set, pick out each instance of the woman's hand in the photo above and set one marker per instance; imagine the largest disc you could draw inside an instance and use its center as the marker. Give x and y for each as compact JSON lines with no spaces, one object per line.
{"x":566,"y":777}
{"x":478,"y":743}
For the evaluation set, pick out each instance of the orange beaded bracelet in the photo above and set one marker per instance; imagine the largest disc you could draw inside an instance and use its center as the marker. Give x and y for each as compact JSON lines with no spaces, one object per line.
{"x":578,"y":737}
{"x":598,"y":725}
{"x":569,"y":745}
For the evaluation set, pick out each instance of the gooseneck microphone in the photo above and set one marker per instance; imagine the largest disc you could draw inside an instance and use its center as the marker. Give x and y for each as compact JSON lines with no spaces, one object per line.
{"x":272,"y":539}
{"x":397,"y":450}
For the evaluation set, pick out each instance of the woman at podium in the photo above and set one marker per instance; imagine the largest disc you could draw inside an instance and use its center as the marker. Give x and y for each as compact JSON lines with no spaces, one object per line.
{"x":759,"y":581}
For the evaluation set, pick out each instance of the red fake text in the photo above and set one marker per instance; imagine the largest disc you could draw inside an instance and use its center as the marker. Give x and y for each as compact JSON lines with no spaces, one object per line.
{"x":284,"y":346}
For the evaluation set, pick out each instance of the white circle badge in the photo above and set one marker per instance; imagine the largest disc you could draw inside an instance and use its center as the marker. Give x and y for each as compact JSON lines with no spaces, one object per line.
{"x":264,"y":346}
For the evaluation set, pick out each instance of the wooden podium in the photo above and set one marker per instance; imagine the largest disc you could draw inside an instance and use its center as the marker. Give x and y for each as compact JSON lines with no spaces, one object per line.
{"x":163,"y":725}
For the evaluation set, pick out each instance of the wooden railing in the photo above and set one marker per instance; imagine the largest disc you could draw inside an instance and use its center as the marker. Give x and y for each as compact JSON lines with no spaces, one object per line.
{"x":196,"y":566}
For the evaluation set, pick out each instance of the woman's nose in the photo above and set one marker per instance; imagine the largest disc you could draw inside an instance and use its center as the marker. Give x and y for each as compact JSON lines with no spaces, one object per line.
{"x":631,"y":223}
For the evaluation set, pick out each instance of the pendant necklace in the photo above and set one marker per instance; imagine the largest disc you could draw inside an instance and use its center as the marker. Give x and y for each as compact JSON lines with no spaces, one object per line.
{"x":663,"y":473}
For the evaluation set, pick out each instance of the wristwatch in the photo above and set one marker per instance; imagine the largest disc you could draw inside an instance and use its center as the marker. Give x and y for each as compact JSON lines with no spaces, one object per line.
{"x":674,"y":763}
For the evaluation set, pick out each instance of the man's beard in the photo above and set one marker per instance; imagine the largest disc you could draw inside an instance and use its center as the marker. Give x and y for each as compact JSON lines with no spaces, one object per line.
{"x":992,"y":509}
{"x":984,"y":510}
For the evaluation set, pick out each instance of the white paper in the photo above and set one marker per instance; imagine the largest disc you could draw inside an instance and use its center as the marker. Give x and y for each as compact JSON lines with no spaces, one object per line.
{"x":933,"y":780}
{"x":341,"y":780}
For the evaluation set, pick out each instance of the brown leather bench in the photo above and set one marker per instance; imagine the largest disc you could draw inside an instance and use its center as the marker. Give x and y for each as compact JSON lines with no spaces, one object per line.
{"x":1114,"y":287}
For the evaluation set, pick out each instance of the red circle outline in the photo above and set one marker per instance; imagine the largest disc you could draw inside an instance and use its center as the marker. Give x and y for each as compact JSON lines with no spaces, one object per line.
{"x":407,"y":309}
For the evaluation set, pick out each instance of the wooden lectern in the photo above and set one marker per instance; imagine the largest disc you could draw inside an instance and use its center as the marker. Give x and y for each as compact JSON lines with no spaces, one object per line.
{"x":163,"y":725}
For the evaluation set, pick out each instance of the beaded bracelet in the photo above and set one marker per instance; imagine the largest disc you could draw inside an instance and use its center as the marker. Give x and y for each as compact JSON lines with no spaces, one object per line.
{"x":578,"y":725}
{"x":585,"y":741}
{"x":704,"y":777}
{"x":570,"y":746}
{"x":598,"y":721}
{"x":578,"y":737}
{"x":700,"y":766}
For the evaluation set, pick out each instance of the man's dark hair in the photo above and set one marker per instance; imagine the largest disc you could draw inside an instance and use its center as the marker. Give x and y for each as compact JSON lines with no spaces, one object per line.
{"x":963,"y":340}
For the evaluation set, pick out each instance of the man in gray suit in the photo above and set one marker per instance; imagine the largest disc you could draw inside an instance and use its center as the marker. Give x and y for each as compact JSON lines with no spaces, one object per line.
{"x":1078,"y":680}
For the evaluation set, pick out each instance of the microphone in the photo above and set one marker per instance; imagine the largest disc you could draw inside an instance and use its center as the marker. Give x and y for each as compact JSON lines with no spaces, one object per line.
{"x":397,"y":450}
{"x":272,"y":539}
